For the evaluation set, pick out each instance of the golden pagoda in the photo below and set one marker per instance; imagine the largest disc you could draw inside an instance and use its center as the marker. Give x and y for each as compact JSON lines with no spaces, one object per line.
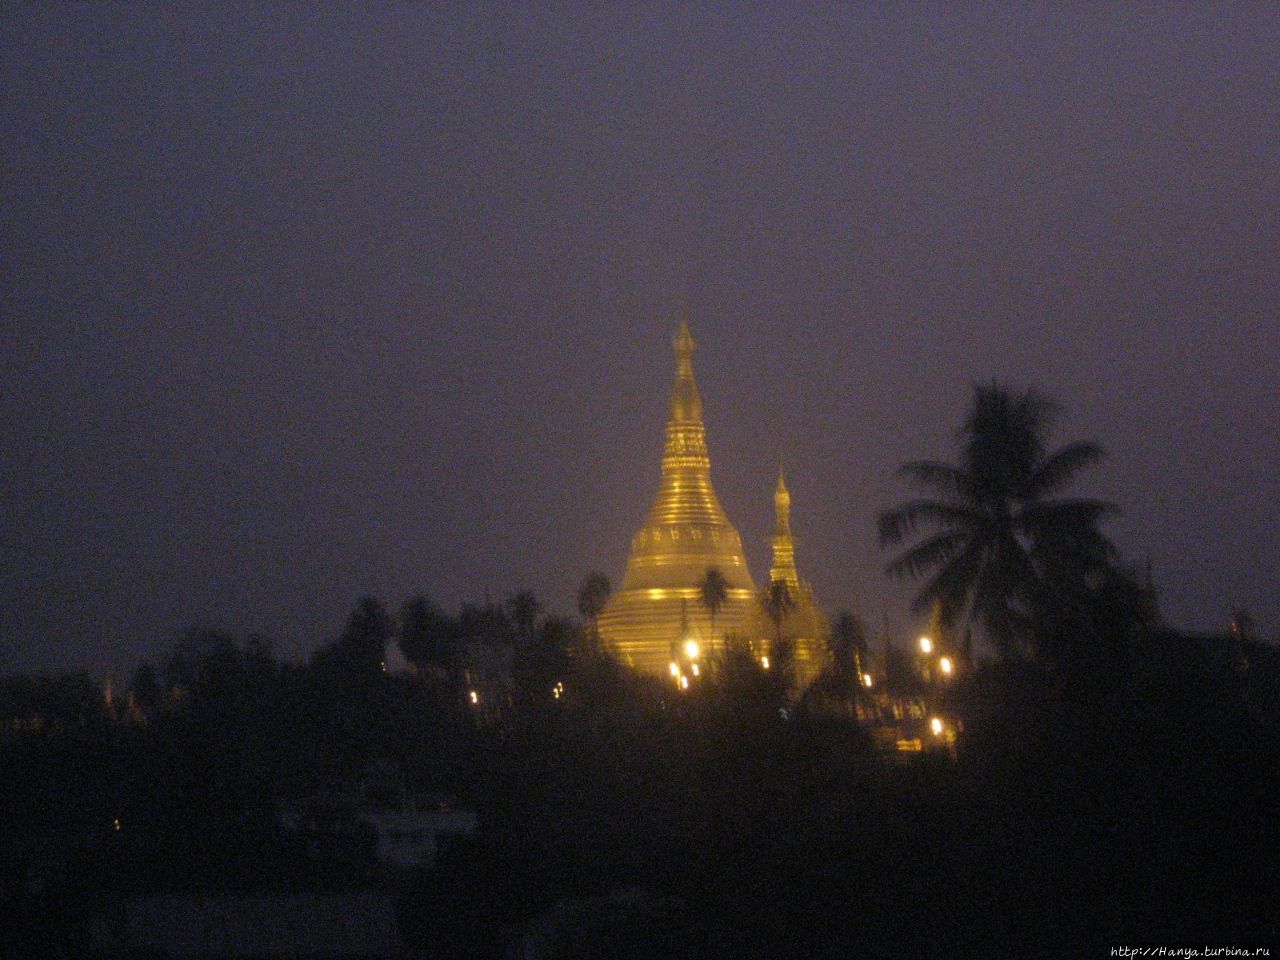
{"x":658,"y":608}
{"x":805,"y":625}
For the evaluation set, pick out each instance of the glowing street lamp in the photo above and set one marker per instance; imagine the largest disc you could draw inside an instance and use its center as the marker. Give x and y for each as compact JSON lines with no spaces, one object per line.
{"x":764,"y":663}
{"x":473,"y":696}
{"x":694,"y":670}
{"x":674,"y":668}
{"x":691,"y":649}
{"x":926,"y":646}
{"x":936,"y":726}
{"x":946,"y":666}
{"x":867,"y":681}
{"x":684,"y":682}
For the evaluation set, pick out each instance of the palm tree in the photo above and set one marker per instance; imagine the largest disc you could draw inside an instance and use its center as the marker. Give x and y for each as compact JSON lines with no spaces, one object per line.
{"x":777,"y":602}
{"x":592,"y":597}
{"x":847,"y":644}
{"x":713,"y":592}
{"x":1002,"y":549}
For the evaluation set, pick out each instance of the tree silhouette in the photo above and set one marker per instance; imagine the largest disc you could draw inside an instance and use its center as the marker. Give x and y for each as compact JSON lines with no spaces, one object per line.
{"x":524,"y":608}
{"x":592,"y":597}
{"x":1100,"y":623}
{"x":777,"y":602}
{"x":486,"y":623}
{"x":847,"y":644}
{"x":1004,"y":549}
{"x":362,"y":644}
{"x":426,"y":635}
{"x":542,"y":664}
{"x":713,"y":591}
{"x":145,"y":689}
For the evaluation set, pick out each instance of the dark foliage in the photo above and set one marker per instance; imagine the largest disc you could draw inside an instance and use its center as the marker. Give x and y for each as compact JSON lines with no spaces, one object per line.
{"x":713,"y":593}
{"x":592,"y":597}
{"x":427,"y":636}
{"x":1084,"y":809}
{"x":776,"y":602}
{"x":362,"y":646}
{"x":849,"y":647}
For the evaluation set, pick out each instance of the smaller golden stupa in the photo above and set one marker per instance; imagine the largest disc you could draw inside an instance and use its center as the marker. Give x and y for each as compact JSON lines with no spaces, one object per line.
{"x":804,"y":625}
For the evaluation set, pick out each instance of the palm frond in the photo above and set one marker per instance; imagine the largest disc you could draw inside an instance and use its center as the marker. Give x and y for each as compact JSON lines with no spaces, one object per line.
{"x":1002,"y":600}
{"x":930,"y":553}
{"x":1004,"y":434}
{"x":1008,"y":574}
{"x":1049,"y":515}
{"x":942,"y":477}
{"x":1062,"y":466}
{"x":954,"y":584}
{"x":897,"y":523}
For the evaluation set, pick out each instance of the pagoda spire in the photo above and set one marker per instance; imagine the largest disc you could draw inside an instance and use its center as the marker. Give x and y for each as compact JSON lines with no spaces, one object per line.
{"x":686,"y":495}
{"x":784,"y":546}
{"x":686,"y":403}
{"x":806,"y":624}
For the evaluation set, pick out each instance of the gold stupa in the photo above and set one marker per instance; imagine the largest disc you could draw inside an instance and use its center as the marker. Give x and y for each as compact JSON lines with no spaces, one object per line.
{"x":658,"y":607}
{"x":805,"y":625}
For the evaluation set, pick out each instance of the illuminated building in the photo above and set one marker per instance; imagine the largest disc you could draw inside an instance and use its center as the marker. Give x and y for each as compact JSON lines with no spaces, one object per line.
{"x":804,"y":625}
{"x":658,"y":606}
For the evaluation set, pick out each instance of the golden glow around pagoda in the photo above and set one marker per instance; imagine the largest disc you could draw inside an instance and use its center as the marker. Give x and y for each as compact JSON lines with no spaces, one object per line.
{"x":658,"y":607}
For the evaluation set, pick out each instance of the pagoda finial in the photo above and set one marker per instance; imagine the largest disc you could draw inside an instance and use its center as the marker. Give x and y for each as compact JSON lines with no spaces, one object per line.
{"x":782,"y":504}
{"x":684,"y":344}
{"x":686,"y":406}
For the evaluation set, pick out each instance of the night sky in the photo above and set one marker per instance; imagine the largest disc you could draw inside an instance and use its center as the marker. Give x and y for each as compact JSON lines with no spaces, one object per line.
{"x":300,"y":305}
